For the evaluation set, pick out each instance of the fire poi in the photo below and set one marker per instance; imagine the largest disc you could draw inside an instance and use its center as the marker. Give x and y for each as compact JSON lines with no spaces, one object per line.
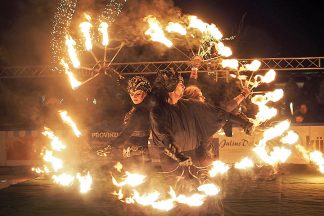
{"x":129,"y":185}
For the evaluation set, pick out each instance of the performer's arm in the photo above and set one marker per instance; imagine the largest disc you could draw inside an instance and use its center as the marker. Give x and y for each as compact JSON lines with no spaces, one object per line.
{"x":211,"y":118}
{"x":232,"y":104}
{"x":162,"y":136}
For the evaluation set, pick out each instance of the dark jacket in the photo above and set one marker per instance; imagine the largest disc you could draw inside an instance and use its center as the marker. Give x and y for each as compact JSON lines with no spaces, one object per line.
{"x":136,"y":127}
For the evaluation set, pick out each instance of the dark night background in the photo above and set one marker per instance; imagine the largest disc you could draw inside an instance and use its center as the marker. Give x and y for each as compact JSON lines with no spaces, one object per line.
{"x":277,"y":28}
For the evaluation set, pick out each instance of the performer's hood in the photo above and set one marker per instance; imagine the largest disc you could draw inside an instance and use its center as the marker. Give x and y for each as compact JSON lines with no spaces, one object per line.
{"x":168,"y":79}
{"x":138,"y":83}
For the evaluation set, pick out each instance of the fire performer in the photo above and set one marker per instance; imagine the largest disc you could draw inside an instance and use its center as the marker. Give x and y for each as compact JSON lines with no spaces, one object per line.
{"x":179,"y":125}
{"x":135,"y":133}
{"x":206,"y":147}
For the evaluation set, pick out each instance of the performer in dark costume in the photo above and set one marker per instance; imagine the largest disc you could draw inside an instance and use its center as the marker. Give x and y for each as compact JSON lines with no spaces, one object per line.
{"x":135,"y":133}
{"x":179,"y":125}
{"x":194,"y":92}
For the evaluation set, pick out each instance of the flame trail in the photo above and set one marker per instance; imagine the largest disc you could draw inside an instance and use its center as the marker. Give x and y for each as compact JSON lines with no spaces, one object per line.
{"x":209,"y":189}
{"x":176,"y":27}
{"x":291,"y":138}
{"x":63,"y":179}
{"x":56,"y":163}
{"x":230,"y":63}
{"x":223,"y":50}
{"x":218,"y":168}
{"x":253,"y":66}
{"x":315,"y":156}
{"x":244,"y":164}
{"x":56,"y":143}
{"x":131,"y":179}
{"x":103,"y":29}
{"x":68,"y":120}
{"x":265,"y":113}
{"x":85,"y":182}
{"x":279,"y":154}
{"x":155,"y":31}
{"x":85,"y":28}
{"x":210,"y":29}
{"x":73,"y":81}
{"x":70,"y":43}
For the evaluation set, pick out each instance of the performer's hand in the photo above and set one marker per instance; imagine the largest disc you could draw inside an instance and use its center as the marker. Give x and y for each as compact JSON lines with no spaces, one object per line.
{"x":105,"y":151}
{"x":246,"y":92}
{"x":249,"y":128}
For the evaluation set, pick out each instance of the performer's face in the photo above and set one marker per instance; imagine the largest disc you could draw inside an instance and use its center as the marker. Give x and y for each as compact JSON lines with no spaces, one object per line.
{"x":138,"y":96}
{"x":179,"y":89}
{"x":201,"y":97}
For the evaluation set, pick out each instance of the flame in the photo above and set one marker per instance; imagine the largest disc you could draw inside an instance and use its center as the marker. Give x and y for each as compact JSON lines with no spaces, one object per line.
{"x":245,"y":163}
{"x":87,"y":16}
{"x":155,"y":31}
{"x":118,"y":166}
{"x":40,"y":171}
{"x":265,"y":113}
{"x":147,"y":199}
{"x":196,"y":23}
{"x":218,"y":168}
{"x":73,"y":81}
{"x":291,"y":106}
{"x":209,"y":189}
{"x":56,"y":163}
{"x":316,"y":157}
{"x":230,"y":63}
{"x":70,"y":43}
{"x":63,"y":179}
{"x":214,"y":32}
{"x":193,"y":200}
{"x":211,"y":29}
{"x":85,"y":28}
{"x":275,"y":131}
{"x":290,"y":139}
{"x":132,"y":179}
{"x":56,"y":143}
{"x":103,"y":29}
{"x":274,"y":96}
{"x":165,"y":205}
{"x":67,"y":119}
{"x":85,"y":182}
{"x":253,"y":66}
{"x":223,"y":50}
{"x":268,"y":77}
{"x":279,"y":154}
{"x":176,"y":27}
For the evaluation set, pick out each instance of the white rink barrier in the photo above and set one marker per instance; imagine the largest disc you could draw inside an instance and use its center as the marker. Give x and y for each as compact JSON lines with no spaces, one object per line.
{"x":22,"y":148}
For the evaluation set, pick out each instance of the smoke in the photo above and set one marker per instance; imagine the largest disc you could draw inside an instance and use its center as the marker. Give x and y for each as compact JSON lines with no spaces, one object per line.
{"x":130,"y":26}
{"x":25,"y":32}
